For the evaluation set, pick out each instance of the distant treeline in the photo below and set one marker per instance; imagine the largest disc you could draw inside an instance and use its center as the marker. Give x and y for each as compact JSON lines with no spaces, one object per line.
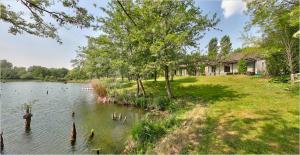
{"x":10,"y":72}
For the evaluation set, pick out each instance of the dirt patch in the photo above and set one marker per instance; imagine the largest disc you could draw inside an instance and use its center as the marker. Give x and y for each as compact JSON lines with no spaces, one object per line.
{"x":184,"y":136}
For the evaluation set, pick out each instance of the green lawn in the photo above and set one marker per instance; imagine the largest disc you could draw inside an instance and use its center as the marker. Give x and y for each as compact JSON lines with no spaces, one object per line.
{"x":242,"y":114}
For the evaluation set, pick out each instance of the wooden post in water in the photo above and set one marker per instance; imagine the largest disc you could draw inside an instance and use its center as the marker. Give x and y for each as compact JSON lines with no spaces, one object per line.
{"x":73,"y":136}
{"x":27,"y":118}
{"x":73,"y":114}
{"x":2,"y":143}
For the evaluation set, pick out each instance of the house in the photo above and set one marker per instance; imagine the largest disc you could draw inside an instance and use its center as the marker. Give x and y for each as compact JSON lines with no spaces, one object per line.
{"x":181,"y":70}
{"x":256,"y":64}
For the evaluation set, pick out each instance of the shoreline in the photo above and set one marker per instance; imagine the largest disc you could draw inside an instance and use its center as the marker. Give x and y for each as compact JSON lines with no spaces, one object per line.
{"x":58,"y":81}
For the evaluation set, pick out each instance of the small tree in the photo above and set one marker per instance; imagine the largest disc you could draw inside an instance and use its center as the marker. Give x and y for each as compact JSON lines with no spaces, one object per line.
{"x":242,"y":66}
{"x":213,"y":48}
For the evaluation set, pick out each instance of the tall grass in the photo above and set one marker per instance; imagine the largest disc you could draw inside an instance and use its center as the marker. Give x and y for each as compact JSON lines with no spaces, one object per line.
{"x":99,"y":88}
{"x":149,"y":130}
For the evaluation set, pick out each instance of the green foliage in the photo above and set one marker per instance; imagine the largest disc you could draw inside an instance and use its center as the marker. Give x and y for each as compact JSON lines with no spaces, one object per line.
{"x":141,"y":102}
{"x":34,"y":72}
{"x":147,"y":131}
{"x":76,"y":73}
{"x":278,"y":25}
{"x":225,"y":45}
{"x":202,"y":69}
{"x":213,"y":49}
{"x":276,"y":64}
{"x":136,"y":48}
{"x":242,"y":67}
{"x":280,"y":79}
{"x":37,"y":10}
{"x":150,"y":130}
{"x":162,"y":102}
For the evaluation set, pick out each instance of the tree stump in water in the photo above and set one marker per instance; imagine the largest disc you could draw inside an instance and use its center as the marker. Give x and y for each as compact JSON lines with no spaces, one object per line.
{"x":120,"y":116}
{"x":92,"y":134}
{"x":73,"y":136}
{"x":2,"y":143}
{"x":114,"y":116}
{"x":27,"y":118}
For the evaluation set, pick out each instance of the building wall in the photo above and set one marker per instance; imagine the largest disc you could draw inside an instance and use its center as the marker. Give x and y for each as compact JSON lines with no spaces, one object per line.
{"x":257,"y":67}
{"x":219,"y":70}
{"x":181,"y":72}
{"x":260,"y":66}
{"x":235,"y":68}
{"x":251,"y":67}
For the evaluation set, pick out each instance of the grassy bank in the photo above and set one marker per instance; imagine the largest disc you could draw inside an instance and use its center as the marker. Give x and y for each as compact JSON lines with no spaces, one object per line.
{"x":223,"y":114}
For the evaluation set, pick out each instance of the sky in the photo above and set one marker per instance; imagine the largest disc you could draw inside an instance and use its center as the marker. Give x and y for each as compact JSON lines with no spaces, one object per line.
{"x":27,"y":50}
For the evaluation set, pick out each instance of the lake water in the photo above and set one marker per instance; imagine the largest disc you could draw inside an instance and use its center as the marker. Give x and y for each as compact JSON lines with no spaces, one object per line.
{"x":51,"y":123}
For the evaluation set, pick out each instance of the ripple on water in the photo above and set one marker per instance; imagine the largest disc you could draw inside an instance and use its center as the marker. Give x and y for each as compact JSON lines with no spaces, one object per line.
{"x":52,"y":122}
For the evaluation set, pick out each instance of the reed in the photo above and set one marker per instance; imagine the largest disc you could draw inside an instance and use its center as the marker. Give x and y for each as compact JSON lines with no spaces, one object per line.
{"x":99,"y":89}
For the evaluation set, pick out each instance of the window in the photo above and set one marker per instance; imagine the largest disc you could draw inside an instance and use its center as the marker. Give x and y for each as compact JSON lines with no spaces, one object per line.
{"x":226,"y":68}
{"x":213,"y":69}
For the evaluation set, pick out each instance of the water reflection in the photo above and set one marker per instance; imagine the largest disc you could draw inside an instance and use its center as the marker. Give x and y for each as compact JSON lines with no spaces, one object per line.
{"x":52,"y":122}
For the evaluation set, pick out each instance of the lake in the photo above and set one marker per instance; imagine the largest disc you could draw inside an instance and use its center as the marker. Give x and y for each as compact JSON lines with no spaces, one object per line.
{"x":51,"y":123}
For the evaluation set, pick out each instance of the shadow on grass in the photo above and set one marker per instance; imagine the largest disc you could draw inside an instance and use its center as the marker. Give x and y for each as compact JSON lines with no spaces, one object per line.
{"x":243,"y":135}
{"x":204,"y":93}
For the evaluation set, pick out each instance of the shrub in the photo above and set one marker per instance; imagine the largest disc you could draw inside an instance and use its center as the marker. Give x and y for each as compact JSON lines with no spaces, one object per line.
{"x":150,"y":130}
{"x":147,"y":131}
{"x":294,"y":89}
{"x":280,"y":79}
{"x":161,"y":102}
{"x":141,"y":102}
{"x":242,"y":67}
{"x":99,"y":89}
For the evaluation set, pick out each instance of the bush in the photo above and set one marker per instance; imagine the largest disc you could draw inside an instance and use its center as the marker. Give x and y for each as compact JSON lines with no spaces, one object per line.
{"x":280,"y":79}
{"x":242,"y":67}
{"x":147,"y":131}
{"x":141,"y":102}
{"x":294,"y":89}
{"x":161,"y":102}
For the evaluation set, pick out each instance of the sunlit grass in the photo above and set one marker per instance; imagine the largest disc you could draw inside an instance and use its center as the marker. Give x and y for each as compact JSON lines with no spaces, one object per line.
{"x":244,"y":114}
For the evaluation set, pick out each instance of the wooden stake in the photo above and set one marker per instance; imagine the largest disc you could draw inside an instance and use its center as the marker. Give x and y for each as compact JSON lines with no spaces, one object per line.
{"x":2,"y":143}
{"x":73,"y":136}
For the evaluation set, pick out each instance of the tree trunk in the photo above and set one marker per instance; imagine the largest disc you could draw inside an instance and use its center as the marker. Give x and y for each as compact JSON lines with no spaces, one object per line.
{"x":290,"y":64}
{"x":288,"y":43}
{"x":137,"y":87}
{"x":168,"y":87}
{"x":142,"y":87}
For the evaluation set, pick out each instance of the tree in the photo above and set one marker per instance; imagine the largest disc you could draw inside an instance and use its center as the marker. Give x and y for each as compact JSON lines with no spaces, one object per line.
{"x":6,"y":69}
{"x":148,"y":36}
{"x":40,"y":11}
{"x":225,"y":45}
{"x":19,"y":72}
{"x":277,"y":21}
{"x":181,"y":25}
{"x":213,"y":49}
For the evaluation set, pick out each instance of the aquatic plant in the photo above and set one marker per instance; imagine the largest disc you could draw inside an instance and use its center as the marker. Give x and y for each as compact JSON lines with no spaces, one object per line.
{"x":28,"y":105}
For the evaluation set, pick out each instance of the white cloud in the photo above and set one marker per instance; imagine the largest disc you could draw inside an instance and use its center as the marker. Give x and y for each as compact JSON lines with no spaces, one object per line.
{"x":231,"y":7}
